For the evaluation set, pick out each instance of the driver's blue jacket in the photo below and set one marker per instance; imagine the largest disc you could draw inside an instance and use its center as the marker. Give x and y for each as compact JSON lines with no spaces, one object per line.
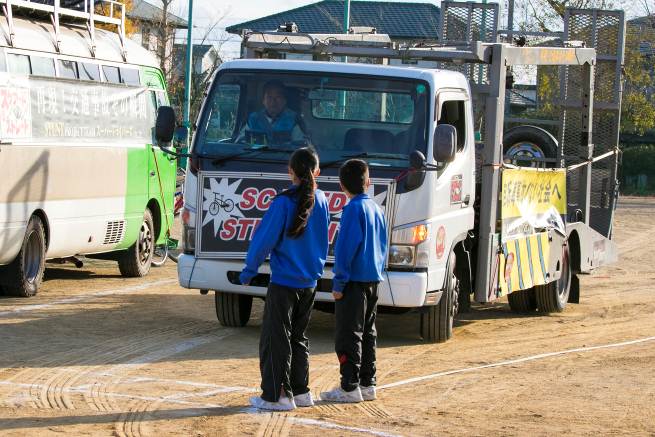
{"x":282,"y":129}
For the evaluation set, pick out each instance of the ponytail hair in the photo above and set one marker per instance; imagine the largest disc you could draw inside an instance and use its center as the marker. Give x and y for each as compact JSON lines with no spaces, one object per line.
{"x":304,"y":163}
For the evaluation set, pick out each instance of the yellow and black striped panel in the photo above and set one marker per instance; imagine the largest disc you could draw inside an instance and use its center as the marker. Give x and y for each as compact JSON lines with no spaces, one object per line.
{"x":523,"y":263}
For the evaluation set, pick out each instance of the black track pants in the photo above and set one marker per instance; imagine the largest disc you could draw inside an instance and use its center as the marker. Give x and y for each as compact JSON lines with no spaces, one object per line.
{"x":283,"y":346}
{"x":356,"y":336}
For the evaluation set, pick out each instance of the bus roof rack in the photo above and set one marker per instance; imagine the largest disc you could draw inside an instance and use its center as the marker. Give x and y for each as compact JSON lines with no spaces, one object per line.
{"x":91,"y":12}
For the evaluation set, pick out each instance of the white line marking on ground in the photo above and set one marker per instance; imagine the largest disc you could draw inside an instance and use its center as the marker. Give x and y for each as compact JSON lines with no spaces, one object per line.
{"x":515,"y":361}
{"x":226,"y":389}
{"x":145,"y":379}
{"x":175,"y":398}
{"x":330,"y":425}
{"x":83,"y":297}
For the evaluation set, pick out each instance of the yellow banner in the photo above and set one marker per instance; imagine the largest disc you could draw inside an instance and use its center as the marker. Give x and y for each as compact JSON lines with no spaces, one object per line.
{"x":532,"y":199}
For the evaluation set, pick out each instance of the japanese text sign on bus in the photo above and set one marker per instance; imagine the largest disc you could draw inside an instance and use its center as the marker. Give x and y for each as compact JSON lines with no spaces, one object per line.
{"x":233,"y":205}
{"x":39,"y":109}
{"x":532,"y":200}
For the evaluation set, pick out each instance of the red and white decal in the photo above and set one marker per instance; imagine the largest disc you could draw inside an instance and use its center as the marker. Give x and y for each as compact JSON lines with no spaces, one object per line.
{"x":456,"y":189}
{"x":441,"y":242}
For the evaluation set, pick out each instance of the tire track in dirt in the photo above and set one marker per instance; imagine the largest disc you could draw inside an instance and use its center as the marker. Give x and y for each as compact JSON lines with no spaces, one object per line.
{"x":131,"y":422}
{"x":374,"y":409}
{"x":157,"y":350}
{"x":55,"y":393}
{"x":274,"y":425}
{"x":51,"y":389}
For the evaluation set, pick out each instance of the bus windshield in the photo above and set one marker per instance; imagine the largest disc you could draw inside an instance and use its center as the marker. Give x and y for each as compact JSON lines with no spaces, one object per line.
{"x":379,"y":119}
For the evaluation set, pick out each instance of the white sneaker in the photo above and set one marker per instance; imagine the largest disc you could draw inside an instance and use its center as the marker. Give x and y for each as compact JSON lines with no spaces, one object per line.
{"x":340,"y":395}
{"x":283,"y":404}
{"x":368,"y":393}
{"x":304,"y":400}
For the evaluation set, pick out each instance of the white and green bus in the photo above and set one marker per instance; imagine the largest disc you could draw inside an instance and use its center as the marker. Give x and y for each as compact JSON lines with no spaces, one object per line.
{"x":78,"y":171}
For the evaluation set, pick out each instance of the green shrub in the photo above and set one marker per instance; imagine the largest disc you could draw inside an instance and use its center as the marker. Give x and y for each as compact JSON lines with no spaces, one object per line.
{"x":638,"y":160}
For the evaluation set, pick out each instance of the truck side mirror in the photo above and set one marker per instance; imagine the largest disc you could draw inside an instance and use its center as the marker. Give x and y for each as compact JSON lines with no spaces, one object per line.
{"x":165,"y":124}
{"x":445,"y":143}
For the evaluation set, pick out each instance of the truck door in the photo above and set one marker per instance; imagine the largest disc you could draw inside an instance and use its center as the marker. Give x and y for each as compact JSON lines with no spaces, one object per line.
{"x":455,"y":190}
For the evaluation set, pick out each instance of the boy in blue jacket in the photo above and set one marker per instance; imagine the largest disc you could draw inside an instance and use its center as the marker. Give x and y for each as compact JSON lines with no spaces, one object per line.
{"x":360,"y":255}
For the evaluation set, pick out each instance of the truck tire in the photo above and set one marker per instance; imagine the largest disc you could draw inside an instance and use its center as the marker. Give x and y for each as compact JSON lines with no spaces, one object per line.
{"x":523,"y":301}
{"x":437,"y":321}
{"x":23,"y":277}
{"x":521,"y":143}
{"x":552,"y":297}
{"x":136,"y":261}
{"x":232,"y":310}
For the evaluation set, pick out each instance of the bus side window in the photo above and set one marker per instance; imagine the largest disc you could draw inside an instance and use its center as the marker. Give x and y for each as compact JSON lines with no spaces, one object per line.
{"x":19,"y":64}
{"x":43,"y":66}
{"x":89,"y":71}
{"x":68,"y":69}
{"x":453,"y":112}
{"x":130,"y":76}
{"x":111,"y":74}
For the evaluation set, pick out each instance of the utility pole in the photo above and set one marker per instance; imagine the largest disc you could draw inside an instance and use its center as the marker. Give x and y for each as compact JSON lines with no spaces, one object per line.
{"x":346,"y":27}
{"x":187,"y":80}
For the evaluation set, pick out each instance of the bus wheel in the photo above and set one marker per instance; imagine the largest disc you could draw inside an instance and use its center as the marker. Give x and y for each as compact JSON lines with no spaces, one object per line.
{"x":523,"y":301}
{"x":552,"y":297}
{"x":23,"y":277}
{"x":233,"y":310}
{"x":437,"y":321}
{"x":136,"y":261}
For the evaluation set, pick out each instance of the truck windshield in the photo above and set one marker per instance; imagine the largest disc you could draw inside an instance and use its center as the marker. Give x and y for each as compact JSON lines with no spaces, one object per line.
{"x":383,"y":120}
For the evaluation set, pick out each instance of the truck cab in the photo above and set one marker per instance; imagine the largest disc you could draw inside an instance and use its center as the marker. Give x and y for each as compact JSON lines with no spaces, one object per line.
{"x":414,"y":128}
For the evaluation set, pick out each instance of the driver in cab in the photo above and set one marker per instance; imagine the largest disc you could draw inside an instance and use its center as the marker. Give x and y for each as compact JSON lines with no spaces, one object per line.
{"x":275,"y":123}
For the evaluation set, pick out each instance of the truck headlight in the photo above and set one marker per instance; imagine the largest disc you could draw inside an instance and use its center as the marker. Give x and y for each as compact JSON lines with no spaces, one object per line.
{"x":401,"y":256}
{"x":406,"y":248}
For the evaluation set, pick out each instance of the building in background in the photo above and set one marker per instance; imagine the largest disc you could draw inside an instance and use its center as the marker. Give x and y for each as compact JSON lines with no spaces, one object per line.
{"x":155,"y":31}
{"x":205,"y":60}
{"x":403,"y":22}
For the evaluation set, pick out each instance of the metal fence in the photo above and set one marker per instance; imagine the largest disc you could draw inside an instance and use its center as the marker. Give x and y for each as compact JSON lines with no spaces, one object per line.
{"x":604,"y":31}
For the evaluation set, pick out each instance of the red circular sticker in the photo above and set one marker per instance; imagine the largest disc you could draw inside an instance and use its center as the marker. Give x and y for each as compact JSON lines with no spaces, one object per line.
{"x":441,"y":242}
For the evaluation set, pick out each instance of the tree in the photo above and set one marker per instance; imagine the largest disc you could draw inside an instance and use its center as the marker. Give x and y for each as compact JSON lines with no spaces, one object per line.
{"x":200,"y":80}
{"x":115,"y":12}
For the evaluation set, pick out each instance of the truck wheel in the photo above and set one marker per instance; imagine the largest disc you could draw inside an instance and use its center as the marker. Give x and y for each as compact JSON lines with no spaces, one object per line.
{"x":552,"y":297}
{"x":23,"y":277}
{"x":437,"y":321}
{"x":136,"y":261}
{"x":522,"y":143}
{"x":523,"y":301}
{"x":232,"y":310}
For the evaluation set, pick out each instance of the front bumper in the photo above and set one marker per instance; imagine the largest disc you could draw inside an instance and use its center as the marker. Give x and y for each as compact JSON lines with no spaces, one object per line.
{"x":401,"y":289}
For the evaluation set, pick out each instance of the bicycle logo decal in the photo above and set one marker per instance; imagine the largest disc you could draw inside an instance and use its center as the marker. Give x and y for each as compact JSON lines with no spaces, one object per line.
{"x":220,"y":202}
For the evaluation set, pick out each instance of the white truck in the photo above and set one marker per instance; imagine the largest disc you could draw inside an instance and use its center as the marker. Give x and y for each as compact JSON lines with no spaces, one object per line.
{"x":459,"y":226}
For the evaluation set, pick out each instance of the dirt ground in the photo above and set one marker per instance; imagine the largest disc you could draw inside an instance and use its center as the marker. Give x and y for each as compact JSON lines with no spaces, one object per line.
{"x":95,"y":354}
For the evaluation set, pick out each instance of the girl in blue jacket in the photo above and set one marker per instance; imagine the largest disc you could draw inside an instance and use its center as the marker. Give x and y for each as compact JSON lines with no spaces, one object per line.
{"x":294,"y":231}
